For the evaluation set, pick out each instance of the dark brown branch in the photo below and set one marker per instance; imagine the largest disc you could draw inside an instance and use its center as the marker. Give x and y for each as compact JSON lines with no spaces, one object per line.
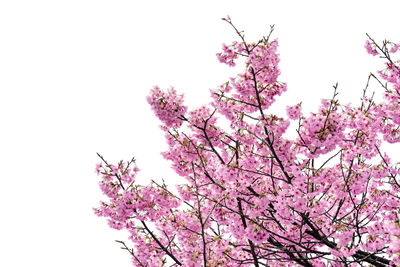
{"x":253,"y":253}
{"x":161,"y":245}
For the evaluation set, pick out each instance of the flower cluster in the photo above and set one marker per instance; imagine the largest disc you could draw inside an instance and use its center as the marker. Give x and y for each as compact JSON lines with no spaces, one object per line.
{"x":294,"y":112}
{"x":371,"y":48}
{"x":321,"y":132}
{"x":229,"y":54}
{"x":168,"y":106}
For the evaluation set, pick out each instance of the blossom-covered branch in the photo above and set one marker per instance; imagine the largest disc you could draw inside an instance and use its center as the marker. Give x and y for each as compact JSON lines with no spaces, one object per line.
{"x":250,"y":195}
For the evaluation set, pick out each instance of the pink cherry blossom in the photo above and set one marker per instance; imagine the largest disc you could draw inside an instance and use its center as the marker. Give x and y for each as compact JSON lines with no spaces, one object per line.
{"x":294,"y":112}
{"x":250,"y":196}
{"x":168,"y":106}
{"x":371,"y":49}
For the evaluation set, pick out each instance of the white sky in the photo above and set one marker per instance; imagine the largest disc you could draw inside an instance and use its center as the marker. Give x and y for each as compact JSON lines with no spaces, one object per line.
{"x":73,"y":80}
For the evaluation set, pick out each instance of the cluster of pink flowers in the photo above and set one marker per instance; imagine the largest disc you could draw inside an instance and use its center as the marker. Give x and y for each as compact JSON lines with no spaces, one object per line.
{"x":371,"y":48}
{"x":321,"y":132}
{"x":229,"y":55}
{"x":294,"y":112}
{"x":251,"y":196}
{"x":168,"y":106}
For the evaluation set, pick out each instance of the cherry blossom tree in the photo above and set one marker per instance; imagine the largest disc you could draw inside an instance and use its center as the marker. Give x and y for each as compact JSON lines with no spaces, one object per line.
{"x":251,"y":196}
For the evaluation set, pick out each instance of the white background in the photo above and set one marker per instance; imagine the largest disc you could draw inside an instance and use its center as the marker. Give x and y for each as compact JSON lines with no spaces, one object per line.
{"x":73,"y":80}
